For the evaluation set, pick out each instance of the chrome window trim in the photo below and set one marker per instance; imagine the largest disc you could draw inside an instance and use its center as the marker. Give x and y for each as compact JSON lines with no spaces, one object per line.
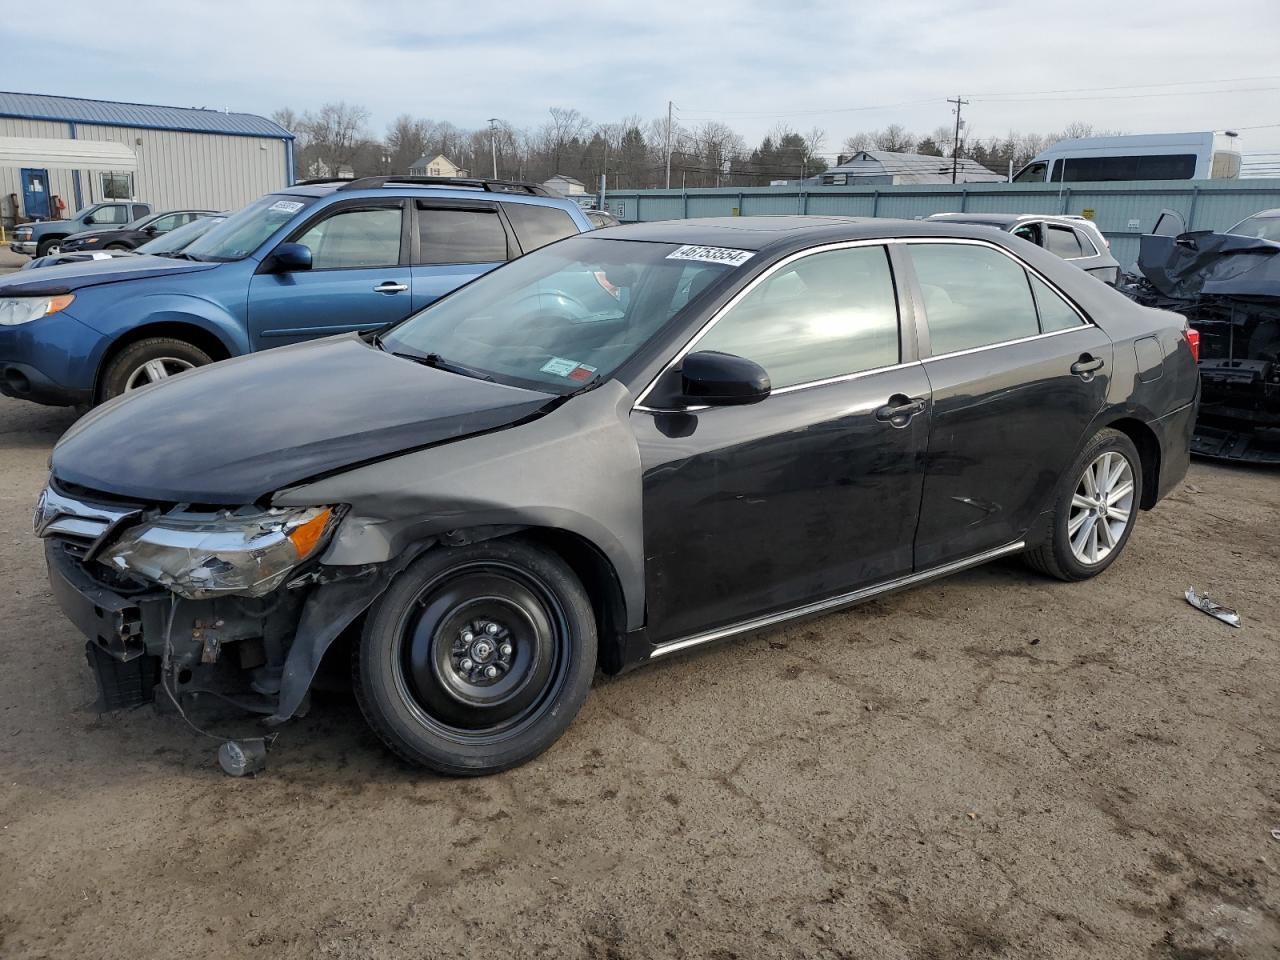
{"x":1085,"y":322}
{"x":833,"y":603}
{"x":741,"y":294}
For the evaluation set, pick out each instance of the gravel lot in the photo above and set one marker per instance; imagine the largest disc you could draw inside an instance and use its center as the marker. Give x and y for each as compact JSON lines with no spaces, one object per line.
{"x":997,"y":765}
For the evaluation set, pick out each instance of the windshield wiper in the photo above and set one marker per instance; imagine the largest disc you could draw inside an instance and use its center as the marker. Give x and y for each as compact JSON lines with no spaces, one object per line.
{"x":440,"y":363}
{"x":180,"y":255}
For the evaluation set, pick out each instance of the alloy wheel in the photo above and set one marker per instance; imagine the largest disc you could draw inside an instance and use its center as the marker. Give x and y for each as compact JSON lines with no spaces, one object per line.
{"x":1101,"y":508}
{"x":156,"y":370}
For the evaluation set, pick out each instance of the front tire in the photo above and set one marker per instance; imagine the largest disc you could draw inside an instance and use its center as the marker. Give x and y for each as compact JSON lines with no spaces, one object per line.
{"x":1094,"y":510}
{"x":477,"y":658}
{"x":149,"y":361}
{"x":49,"y":248}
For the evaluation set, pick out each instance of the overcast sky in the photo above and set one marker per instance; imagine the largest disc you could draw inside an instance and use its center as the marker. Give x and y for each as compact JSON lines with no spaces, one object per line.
{"x":751,"y":64}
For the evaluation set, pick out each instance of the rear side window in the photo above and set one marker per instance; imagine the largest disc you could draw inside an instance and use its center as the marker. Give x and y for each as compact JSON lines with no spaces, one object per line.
{"x":450,"y":235}
{"x":825,"y":315}
{"x":973,"y":296}
{"x":1087,"y":247}
{"x":1062,"y":241}
{"x":536,"y":226}
{"x":140,"y":210}
{"x":1055,"y":313}
{"x":355,"y":238}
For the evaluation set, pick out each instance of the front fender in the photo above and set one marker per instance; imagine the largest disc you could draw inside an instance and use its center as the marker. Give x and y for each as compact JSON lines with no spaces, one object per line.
{"x":117,"y":318}
{"x":575,"y":469}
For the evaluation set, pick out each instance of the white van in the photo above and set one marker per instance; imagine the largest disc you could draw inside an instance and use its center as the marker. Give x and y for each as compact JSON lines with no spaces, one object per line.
{"x":1148,"y":156}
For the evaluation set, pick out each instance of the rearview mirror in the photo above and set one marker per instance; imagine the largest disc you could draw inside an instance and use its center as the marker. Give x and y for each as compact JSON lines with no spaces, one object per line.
{"x":722,"y":379}
{"x":291,"y":257}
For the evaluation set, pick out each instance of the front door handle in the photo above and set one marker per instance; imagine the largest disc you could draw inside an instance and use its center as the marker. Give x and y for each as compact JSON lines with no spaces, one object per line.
{"x":1086,"y":366}
{"x":390,"y":286}
{"x":899,"y":410}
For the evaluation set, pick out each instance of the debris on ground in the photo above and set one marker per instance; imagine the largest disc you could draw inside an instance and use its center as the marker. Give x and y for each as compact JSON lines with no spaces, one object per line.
{"x":1212,"y":608}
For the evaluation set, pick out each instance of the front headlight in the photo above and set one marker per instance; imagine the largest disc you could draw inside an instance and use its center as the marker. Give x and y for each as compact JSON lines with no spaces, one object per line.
{"x":248,"y":554}
{"x":16,"y":310}
{"x":87,"y":241}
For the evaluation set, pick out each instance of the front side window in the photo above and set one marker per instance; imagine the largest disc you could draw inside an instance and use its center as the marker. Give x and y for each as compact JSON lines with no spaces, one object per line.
{"x":355,"y":237}
{"x":825,"y":315}
{"x":536,"y":226}
{"x":1062,"y":242}
{"x":114,"y":214}
{"x":561,"y":317}
{"x":460,"y":236}
{"x":166,"y":223}
{"x":1031,"y":173}
{"x":973,"y":296}
{"x":244,"y":232}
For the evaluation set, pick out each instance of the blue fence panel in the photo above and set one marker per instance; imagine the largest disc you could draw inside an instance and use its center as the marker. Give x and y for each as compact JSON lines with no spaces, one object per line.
{"x":1123,"y":211}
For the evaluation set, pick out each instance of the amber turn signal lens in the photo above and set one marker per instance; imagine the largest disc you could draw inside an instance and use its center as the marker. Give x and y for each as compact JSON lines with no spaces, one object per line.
{"x":60,"y":302}
{"x":305,"y":536}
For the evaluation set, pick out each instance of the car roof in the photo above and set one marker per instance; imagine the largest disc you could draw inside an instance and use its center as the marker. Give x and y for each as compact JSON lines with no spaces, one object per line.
{"x":450,"y":187}
{"x":781,"y":232}
{"x":1008,"y":219}
{"x":1271,"y":214}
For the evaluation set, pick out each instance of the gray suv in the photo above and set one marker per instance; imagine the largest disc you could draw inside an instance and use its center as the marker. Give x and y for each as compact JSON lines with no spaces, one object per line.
{"x":44,"y":238}
{"x":1072,"y":238}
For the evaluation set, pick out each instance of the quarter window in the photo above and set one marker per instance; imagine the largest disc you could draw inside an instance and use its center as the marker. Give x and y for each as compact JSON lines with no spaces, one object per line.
{"x":1087,"y":246}
{"x":973,"y":296}
{"x":1055,"y":313}
{"x":355,"y":238}
{"x":1063,"y":242}
{"x":460,"y":236}
{"x":536,"y":226}
{"x":825,"y":315}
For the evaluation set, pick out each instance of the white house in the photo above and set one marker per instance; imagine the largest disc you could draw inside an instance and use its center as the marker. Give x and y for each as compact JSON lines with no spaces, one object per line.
{"x":437,"y":166}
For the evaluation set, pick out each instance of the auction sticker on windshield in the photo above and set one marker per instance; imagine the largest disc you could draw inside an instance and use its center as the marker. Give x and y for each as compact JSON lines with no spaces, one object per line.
{"x":287,"y":206}
{"x":725,"y":255}
{"x":571,"y":369}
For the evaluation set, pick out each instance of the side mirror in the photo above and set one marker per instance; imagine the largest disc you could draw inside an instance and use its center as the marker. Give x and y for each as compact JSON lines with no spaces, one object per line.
{"x":89,"y":221}
{"x":291,"y":257}
{"x":722,"y":379}
{"x":150,"y":230}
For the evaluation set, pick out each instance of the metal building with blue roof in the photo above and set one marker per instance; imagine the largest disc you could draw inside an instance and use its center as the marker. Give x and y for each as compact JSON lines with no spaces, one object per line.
{"x":59,"y":154}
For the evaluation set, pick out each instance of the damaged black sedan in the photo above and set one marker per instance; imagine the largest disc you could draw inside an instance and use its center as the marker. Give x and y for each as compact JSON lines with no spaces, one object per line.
{"x":621,"y":446}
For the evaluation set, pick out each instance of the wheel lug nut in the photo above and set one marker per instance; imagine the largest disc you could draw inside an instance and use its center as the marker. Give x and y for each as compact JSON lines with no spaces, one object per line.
{"x":505,"y":649}
{"x":466,"y":664}
{"x":491,"y":629}
{"x":490,"y":672}
{"x":467,"y":636}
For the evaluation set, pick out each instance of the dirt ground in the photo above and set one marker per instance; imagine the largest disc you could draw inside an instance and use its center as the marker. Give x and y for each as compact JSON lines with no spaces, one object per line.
{"x":993,"y":766}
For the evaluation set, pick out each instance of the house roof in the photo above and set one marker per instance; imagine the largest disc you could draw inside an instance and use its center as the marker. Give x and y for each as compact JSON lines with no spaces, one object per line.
{"x":913,"y":168}
{"x":425,"y":161}
{"x":38,"y":106}
{"x":565,"y":178}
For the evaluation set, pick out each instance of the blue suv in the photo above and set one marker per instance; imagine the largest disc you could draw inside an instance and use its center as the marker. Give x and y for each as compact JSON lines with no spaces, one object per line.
{"x":319,"y":258}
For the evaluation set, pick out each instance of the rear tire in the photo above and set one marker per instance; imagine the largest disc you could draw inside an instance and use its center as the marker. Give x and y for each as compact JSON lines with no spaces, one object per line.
{"x":477,"y":658}
{"x":1094,"y":510}
{"x":148,"y":361}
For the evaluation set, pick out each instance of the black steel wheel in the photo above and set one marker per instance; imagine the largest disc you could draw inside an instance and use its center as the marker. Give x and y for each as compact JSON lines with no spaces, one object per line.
{"x":477,"y":658}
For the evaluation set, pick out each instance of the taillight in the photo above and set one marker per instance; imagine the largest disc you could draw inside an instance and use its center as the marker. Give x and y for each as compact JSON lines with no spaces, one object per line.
{"x":1193,"y":341}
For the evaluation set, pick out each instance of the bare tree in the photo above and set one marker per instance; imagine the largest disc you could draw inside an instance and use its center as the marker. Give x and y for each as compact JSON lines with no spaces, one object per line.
{"x":333,"y":135}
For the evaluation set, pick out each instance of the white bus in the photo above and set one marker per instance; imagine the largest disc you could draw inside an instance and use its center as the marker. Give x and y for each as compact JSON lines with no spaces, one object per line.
{"x":1148,"y":156}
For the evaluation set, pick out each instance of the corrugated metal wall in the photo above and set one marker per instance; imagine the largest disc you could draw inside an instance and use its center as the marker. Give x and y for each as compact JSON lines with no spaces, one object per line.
{"x":175,"y":169}
{"x":1123,"y":211}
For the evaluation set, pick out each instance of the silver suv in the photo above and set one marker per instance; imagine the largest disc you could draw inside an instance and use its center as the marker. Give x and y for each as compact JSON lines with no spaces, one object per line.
{"x":1072,"y":238}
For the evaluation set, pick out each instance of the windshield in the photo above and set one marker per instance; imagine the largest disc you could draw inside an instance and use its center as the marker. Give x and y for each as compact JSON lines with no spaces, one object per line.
{"x":243,"y":232}
{"x":177,"y":239}
{"x":563,"y":316}
{"x":1264,"y":228}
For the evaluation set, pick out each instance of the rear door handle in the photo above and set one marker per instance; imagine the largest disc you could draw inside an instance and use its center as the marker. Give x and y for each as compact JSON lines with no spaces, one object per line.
{"x":1085,"y":367}
{"x":390,"y":286}
{"x":900,"y":409}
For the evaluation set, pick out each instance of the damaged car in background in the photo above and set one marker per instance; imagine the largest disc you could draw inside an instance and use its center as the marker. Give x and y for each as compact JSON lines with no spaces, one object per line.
{"x":1227,"y":285}
{"x":621,"y":446}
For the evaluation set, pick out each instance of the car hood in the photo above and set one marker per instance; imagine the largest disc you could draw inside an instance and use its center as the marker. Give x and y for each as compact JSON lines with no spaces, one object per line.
{"x":101,"y":232}
{"x":236,"y":431}
{"x":68,"y":277}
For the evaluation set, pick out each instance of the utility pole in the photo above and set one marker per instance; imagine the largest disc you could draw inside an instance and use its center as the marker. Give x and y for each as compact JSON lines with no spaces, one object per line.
{"x":668,"y":144}
{"x":955,"y":146}
{"x":493,"y":144}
